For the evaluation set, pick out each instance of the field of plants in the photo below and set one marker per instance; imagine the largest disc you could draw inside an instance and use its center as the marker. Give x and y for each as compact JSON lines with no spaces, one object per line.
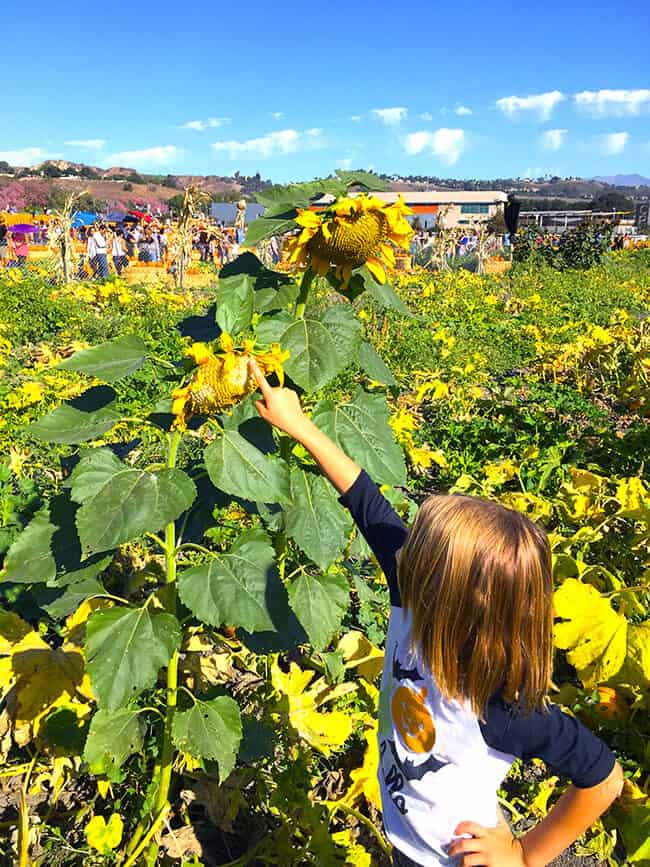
{"x":191,"y":630}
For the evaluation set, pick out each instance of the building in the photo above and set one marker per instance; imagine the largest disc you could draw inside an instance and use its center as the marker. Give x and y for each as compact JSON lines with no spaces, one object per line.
{"x":459,"y":207}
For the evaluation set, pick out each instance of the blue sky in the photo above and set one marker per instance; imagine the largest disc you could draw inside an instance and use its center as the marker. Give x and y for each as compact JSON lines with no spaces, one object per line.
{"x":294,"y":90}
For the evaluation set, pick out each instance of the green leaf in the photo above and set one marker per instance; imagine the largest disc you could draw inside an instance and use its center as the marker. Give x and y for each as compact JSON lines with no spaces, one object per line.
{"x":29,"y":559}
{"x":273,"y":290}
{"x":238,"y":468}
{"x":234,"y":299}
{"x":383,"y":293}
{"x":313,"y":361}
{"x":315,"y":520}
{"x":212,"y":730}
{"x":271,"y":328}
{"x":72,"y":597}
{"x":63,"y":729}
{"x":369,"y":180}
{"x":94,"y":469}
{"x":361,"y":429}
{"x":84,"y":418}
{"x":237,"y":588}
{"x":374,"y":365}
{"x":261,"y":229}
{"x":109,"y":361}
{"x":320,"y":602}
{"x":113,"y":736}
{"x":125,"y":649}
{"x":345,"y":330}
{"x":131,"y":502}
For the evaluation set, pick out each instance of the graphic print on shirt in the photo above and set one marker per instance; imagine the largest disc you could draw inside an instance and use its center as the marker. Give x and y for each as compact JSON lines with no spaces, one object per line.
{"x":403,"y":711}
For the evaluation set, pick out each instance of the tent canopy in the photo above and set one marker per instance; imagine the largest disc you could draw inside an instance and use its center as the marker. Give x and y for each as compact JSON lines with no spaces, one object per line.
{"x":115,"y":217}
{"x":83,"y":218}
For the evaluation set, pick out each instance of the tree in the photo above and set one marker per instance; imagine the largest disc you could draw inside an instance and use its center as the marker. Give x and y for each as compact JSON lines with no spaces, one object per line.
{"x":5,"y":168}
{"x":176,"y":202}
{"x":612,"y":201}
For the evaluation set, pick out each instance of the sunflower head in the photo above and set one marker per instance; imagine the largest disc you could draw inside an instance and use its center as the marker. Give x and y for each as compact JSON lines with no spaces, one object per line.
{"x":221,"y":380}
{"x":354,"y":231}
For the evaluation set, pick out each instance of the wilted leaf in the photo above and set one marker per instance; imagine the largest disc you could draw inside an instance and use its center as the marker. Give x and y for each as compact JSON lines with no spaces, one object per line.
{"x":594,"y":635}
{"x":360,"y":653}
{"x":104,"y":836}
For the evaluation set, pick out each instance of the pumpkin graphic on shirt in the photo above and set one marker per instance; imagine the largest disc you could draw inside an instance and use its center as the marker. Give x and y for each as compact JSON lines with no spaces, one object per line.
{"x":412,"y":719}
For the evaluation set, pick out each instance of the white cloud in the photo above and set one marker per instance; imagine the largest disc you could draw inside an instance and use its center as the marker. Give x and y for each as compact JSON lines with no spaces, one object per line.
{"x":553,"y":139}
{"x":277,"y":115}
{"x":462,"y":110}
{"x":210,"y":123}
{"x":614,"y":143}
{"x":160,"y":155}
{"x":613,"y":103}
{"x":94,"y":144}
{"x":284,"y":141}
{"x":390,"y":116}
{"x":541,"y":104}
{"x":447,"y":144}
{"x":356,"y":118}
{"x":426,"y":115}
{"x":23,"y":156}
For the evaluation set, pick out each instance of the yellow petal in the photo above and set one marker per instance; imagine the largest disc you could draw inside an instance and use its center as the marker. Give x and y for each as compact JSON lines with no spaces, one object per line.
{"x":226,"y":342}
{"x":377,"y":270}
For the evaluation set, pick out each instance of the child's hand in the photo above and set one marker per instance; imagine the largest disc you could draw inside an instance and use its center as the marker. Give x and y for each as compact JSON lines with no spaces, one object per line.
{"x":279,"y":406}
{"x":488,"y":847}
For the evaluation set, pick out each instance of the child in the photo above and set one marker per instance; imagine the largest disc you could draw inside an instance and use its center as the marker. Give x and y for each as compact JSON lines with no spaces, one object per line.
{"x":467,"y":663}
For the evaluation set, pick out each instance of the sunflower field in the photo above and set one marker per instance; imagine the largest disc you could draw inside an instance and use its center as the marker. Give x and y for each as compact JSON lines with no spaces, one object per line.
{"x":191,"y":630}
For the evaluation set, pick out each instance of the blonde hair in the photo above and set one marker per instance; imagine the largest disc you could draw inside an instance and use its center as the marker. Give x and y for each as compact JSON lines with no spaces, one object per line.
{"x":477,"y":580}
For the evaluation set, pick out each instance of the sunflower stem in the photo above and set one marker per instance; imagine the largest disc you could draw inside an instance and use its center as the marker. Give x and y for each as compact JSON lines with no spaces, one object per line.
{"x":305,"y":286}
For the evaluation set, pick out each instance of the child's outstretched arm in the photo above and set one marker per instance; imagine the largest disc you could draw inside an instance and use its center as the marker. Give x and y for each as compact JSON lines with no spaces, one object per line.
{"x":575,"y":812}
{"x":281,"y":408}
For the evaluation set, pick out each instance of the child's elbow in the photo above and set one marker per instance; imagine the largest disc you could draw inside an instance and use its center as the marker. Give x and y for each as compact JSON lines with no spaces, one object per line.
{"x":612,"y":786}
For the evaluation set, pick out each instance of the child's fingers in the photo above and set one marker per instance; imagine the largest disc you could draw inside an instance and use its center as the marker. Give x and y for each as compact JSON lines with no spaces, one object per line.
{"x":260,"y":379}
{"x":260,"y":406}
{"x":472,"y":828}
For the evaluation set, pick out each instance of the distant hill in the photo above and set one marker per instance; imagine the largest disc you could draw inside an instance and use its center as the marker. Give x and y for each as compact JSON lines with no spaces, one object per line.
{"x":625,"y":180}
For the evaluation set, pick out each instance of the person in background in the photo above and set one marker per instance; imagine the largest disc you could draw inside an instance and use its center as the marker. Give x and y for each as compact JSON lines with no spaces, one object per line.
{"x":118,"y":251}
{"x":21,"y":249}
{"x":101,"y":248}
{"x":163,"y":244}
{"x":4,"y":242}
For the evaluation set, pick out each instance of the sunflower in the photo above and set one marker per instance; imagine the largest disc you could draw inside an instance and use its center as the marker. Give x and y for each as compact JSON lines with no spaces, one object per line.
{"x":352,"y":232}
{"x":222,"y":380}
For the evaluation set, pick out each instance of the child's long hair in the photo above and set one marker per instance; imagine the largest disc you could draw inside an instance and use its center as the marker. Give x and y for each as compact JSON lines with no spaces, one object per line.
{"x":477,"y":580}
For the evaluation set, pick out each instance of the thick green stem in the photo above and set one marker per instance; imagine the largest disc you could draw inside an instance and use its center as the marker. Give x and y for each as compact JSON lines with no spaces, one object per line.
{"x":301,"y":300}
{"x":167,"y":754}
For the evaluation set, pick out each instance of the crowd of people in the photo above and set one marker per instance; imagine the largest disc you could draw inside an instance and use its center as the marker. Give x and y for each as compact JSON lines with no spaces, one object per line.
{"x":106,"y":247}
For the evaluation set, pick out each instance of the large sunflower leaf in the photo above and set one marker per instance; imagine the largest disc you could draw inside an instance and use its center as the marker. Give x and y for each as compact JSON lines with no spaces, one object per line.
{"x":374,"y":365}
{"x":263,"y":228}
{"x":82,"y":419}
{"x":361,"y":429}
{"x":315,"y":520}
{"x":113,"y":736}
{"x":319,"y":602}
{"x":131,"y":502}
{"x":210,"y":730}
{"x":314,"y":358}
{"x":241,"y":588}
{"x":109,"y":361}
{"x":234,"y":303}
{"x":383,"y":293}
{"x":346,"y":332}
{"x":592,"y":633}
{"x":29,"y":559}
{"x":125,"y":649}
{"x":238,"y":468}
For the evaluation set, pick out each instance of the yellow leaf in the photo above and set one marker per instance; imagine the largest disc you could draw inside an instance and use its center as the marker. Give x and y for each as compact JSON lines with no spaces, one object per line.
{"x":75,"y":625}
{"x":325,"y":731}
{"x":500,"y":472}
{"x":103,"y":788}
{"x":594,"y":634}
{"x":633,"y":496}
{"x":365,"y":781}
{"x":539,"y":803}
{"x":360,"y":653}
{"x":355,"y":854}
{"x":104,"y":836}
